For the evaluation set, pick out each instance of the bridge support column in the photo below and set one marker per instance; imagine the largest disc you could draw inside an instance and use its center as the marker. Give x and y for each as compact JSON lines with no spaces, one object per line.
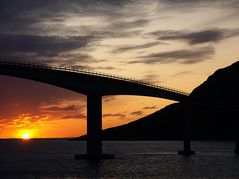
{"x":236,"y":151}
{"x":94,"y":127}
{"x":187,"y":133}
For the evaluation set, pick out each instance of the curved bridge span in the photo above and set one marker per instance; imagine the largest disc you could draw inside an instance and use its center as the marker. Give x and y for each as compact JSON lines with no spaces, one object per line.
{"x":88,"y":82}
{"x":94,"y":85}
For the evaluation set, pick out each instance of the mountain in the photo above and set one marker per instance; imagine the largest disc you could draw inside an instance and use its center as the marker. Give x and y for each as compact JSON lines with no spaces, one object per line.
{"x":207,"y":123}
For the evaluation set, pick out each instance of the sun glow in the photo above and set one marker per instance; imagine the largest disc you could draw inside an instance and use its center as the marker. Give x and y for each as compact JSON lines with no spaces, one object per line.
{"x":26,"y":136}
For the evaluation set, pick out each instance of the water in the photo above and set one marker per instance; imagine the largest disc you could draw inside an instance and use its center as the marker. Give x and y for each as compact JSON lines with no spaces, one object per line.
{"x":55,"y":159}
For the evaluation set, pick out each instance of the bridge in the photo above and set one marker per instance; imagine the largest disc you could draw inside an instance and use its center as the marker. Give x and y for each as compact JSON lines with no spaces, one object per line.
{"x":94,"y":85}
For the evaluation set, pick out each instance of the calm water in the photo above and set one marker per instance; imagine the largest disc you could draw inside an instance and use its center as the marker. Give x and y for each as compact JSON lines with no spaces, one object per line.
{"x":55,"y":159}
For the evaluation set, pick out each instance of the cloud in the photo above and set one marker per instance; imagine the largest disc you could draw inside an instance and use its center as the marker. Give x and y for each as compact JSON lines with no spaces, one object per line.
{"x":152,"y":78}
{"x":108,"y":98}
{"x":41,"y":44}
{"x":26,"y":120}
{"x":182,"y":73}
{"x":136,"y":47}
{"x":125,"y":25}
{"x":150,"y":107}
{"x":185,"y":56}
{"x":28,"y":13}
{"x":105,"y":68}
{"x":60,"y":108}
{"x":136,"y":113}
{"x":63,"y":51}
{"x":183,"y":5}
{"x":96,"y":17}
{"x":198,"y":37}
{"x":75,"y":116}
{"x":203,"y":37}
{"x":114,"y":115}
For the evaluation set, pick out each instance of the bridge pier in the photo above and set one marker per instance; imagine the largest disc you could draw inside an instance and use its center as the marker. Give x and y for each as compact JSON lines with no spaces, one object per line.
{"x":236,"y":151}
{"x":94,"y":127}
{"x":187,"y":133}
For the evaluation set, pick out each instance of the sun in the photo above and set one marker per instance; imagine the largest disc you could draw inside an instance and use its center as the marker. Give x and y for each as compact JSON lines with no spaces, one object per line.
{"x":26,"y":136}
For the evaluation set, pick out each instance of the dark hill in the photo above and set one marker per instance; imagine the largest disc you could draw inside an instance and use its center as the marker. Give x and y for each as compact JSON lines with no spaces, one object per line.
{"x":168,"y":123}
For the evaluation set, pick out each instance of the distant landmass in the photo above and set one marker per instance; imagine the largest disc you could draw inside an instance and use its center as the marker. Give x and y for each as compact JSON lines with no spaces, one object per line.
{"x":207,"y":123}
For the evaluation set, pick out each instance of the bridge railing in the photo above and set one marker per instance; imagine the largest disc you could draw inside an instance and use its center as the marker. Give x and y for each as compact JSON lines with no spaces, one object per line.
{"x":88,"y":72}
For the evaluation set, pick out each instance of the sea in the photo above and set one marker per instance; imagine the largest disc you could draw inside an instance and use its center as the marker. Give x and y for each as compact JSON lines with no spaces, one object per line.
{"x":54,"y":158}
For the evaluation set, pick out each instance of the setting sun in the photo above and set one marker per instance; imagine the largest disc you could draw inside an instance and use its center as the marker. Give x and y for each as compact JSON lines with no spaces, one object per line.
{"x":25,"y":135}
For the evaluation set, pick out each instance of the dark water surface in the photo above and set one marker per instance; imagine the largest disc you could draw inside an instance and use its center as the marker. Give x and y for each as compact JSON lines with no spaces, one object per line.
{"x":54,"y":158}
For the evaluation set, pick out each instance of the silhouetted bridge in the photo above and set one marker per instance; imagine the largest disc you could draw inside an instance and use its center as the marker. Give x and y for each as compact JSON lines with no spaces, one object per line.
{"x":94,"y":85}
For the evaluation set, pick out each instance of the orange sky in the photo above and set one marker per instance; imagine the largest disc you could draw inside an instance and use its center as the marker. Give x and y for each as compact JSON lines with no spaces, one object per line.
{"x":171,"y":43}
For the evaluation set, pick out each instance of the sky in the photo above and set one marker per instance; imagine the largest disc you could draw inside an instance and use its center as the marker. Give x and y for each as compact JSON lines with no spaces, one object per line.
{"x":174,"y":43}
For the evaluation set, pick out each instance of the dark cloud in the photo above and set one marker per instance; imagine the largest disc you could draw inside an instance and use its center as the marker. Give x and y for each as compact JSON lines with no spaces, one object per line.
{"x":150,"y":107}
{"x":84,"y":66}
{"x":51,"y":17}
{"x":114,"y":33}
{"x":203,"y":37}
{"x":75,"y":116}
{"x":152,"y":78}
{"x":199,"y":37}
{"x":187,"y":56}
{"x":105,"y":68}
{"x":114,"y":115}
{"x":182,"y":73}
{"x":108,"y":98}
{"x":72,"y":58}
{"x":54,"y":50}
{"x":78,"y":67}
{"x":137,"y":113}
{"x":190,"y":5}
{"x":28,"y":12}
{"x":136,"y":47}
{"x":125,"y":25}
{"x":25,"y":121}
{"x":60,"y":108}
{"x":41,"y":44}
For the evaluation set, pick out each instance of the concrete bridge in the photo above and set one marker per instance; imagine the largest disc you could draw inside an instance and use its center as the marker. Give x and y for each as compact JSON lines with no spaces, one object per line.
{"x":94,"y":85}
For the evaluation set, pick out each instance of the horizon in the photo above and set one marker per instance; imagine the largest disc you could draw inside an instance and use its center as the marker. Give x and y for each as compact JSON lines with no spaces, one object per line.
{"x":145,"y":41}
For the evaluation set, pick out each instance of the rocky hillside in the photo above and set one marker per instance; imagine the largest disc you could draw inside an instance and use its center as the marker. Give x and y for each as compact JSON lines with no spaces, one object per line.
{"x":207,"y":123}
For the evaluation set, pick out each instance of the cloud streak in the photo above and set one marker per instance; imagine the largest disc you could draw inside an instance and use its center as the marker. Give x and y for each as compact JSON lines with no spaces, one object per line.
{"x":136,"y":113}
{"x":136,"y":47}
{"x":41,"y":44}
{"x":60,"y":108}
{"x":114,"y":115}
{"x":198,"y":37}
{"x":75,"y":116}
{"x":150,"y":107}
{"x":184,"y":56}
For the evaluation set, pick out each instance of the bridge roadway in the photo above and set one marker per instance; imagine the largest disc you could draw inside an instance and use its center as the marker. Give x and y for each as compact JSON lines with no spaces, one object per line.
{"x":94,"y":85}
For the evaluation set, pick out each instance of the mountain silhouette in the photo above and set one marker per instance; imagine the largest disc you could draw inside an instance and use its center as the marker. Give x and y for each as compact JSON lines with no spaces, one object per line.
{"x":207,"y":123}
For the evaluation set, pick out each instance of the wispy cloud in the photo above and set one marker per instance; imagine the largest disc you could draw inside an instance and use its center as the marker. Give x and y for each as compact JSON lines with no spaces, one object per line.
{"x":182,"y":5}
{"x":185,"y":56}
{"x":75,"y":116}
{"x":198,"y":37}
{"x":109,"y":98}
{"x":47,"y":45}
{"x":114,"y":115}
{"x":182,"y":73}
{"x":151,"y":78}
{"x":126,"y":25}
{"x":26,"y":120}
{"x":150,"y":107}
{"x":127,"y":48}
{"x":136,"y":113}
{"x":60,"y":108}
